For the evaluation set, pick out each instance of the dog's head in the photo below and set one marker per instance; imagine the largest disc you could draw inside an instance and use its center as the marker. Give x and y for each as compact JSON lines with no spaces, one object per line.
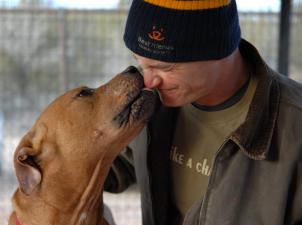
{"x":80,"y":128}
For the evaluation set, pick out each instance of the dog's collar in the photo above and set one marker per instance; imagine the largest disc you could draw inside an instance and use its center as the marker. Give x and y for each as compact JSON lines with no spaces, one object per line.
{"x":18,"y":222}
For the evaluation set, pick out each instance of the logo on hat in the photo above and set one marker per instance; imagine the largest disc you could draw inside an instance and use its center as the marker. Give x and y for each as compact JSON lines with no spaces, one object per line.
{"x":156,"y":34}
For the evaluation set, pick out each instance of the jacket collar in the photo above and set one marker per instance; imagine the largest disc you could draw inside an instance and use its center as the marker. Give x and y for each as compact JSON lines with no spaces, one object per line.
{"x":254,"y":136}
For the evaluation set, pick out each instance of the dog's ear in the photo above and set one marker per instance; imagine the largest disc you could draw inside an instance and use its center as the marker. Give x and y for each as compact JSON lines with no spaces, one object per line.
{"x":27,"y":170}
{"x":25,"y":160}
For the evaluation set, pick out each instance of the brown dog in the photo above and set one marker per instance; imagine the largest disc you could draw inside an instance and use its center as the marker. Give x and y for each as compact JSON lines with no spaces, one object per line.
{"x":62,"y":162}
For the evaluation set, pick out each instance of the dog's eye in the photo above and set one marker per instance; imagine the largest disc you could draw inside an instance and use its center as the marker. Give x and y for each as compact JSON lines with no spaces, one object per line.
{"x":86,"y":92}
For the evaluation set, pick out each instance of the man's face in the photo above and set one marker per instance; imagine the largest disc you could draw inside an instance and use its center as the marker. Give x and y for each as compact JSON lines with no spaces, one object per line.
{"x":179,"y":83}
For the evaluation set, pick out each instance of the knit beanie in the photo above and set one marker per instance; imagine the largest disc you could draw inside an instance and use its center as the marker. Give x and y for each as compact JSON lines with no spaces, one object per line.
{"x":182,"y":30}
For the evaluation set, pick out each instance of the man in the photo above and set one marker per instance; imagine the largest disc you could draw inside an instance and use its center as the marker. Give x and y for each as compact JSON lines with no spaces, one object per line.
{"x":225,"y":146}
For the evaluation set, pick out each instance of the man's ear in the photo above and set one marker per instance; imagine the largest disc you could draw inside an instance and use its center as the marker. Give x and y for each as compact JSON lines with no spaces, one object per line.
{"x":27,"y":169}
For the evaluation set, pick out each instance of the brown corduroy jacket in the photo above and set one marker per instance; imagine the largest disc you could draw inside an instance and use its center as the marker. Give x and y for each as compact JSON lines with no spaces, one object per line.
{"x":256,"y":176}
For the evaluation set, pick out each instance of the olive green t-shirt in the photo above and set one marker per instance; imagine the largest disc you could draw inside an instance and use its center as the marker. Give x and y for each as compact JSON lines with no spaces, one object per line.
{"x":198,"y":136}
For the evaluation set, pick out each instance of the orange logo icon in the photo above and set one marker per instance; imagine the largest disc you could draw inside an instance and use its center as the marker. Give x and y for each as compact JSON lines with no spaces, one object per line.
{"x":156,"y":34}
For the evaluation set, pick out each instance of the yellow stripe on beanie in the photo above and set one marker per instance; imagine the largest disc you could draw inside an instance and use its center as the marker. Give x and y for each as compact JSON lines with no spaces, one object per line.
{"x":189,"y":4}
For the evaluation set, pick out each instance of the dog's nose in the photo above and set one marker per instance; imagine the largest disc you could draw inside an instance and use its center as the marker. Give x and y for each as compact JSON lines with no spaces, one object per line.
{"x":131,"y":69}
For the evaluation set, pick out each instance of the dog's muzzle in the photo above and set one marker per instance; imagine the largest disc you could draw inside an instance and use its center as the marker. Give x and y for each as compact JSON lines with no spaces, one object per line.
{"x":140,"y":103}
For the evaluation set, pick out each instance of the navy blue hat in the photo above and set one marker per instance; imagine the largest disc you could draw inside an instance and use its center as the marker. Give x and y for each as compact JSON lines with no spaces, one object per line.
{"x":182,"y":30}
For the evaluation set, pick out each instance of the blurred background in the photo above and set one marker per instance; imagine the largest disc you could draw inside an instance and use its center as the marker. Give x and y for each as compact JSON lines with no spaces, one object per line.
{"x":50,"y":46}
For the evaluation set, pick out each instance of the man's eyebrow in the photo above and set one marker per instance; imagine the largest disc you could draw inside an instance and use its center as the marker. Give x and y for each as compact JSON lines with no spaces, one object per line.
{"x":162,"y":66}
{"x":157,"y":66}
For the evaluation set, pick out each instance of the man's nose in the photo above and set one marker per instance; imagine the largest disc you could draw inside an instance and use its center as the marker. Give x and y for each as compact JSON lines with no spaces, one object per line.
{"x":151,"y":80}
